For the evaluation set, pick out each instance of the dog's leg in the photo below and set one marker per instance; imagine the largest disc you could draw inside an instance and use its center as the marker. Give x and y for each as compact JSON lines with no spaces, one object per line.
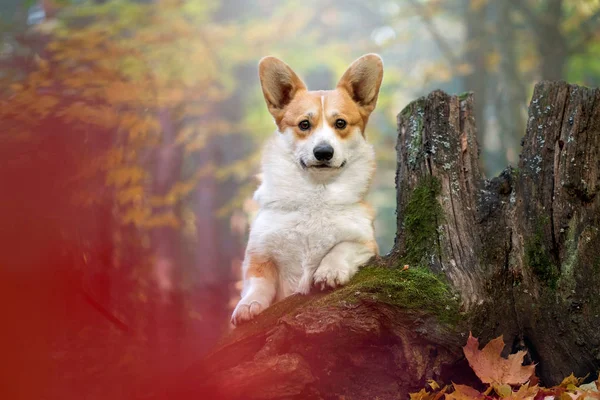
{"x":306,"y":280}
{"x":342,"y":262}
{"x":260,"y":288}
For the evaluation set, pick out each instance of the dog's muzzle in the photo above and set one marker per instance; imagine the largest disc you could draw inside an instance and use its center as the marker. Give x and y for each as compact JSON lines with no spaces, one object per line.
{"x":321,"y":165}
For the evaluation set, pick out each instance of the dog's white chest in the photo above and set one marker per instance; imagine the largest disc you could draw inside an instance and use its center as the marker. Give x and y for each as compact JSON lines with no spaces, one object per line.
{"x":298,"y":240}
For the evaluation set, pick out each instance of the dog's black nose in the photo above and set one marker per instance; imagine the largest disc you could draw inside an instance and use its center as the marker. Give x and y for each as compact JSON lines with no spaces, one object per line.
{"x":323,"y":152}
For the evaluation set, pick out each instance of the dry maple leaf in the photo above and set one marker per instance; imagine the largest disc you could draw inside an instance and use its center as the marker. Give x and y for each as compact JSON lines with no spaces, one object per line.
{"x":441,"y":392}
{"x":491,"y":367}
{"x":464,"y":392}
{"x":525,"y":392}
{"x":571,"y":382}
{"x":433,"y":384}
{"x":420,"y":395}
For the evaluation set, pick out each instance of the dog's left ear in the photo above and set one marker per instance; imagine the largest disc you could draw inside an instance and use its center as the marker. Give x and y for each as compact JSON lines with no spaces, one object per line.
{"x":279,"y":84}
{"x":362,"y":81}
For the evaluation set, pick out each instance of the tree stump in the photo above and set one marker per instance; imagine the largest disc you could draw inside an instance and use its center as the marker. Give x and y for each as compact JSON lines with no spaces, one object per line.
{"x":517,"y":255}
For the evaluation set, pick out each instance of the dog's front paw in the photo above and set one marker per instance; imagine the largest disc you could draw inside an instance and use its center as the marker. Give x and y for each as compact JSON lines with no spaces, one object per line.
{"x":332,"y":274}
{"x":246,"y":310}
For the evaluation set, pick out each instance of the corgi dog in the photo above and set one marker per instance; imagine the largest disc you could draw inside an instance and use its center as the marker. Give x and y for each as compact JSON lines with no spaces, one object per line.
{"x":313,"y":227}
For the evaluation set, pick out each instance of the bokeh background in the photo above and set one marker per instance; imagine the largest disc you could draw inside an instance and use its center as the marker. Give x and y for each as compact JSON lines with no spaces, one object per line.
{"x":130,"y":133}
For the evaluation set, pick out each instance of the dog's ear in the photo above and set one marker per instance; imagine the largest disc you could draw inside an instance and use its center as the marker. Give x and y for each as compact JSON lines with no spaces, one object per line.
{"x":279,"y":84}
{"x":362,"y":81}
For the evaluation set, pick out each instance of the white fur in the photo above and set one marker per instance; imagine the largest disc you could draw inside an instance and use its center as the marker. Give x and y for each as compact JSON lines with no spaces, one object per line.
{"x":310,"y":222}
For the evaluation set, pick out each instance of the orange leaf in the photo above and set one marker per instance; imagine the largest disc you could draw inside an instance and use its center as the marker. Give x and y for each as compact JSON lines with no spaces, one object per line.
{"x":502,"y":390}
{"x":571,"y":382}
{"x":441,"y":393}
{"x":490,"y":367}
{"x":464,"y":392}
{"x":433,"y":384}
{"x":524,"y":393}
{"x":420,"y":395}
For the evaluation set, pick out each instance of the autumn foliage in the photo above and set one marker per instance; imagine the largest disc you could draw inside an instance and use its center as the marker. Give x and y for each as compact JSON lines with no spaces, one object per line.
{"x":506,"y":378}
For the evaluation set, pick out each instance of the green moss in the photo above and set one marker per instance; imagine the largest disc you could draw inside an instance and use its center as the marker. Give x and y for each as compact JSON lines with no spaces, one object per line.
{"x":422,"y":216}
{"x":463,"y":96}
{"x":413,"y":115}
{"x":416,"y":289}
{"x":416,"y":139}
{"x":412,"y":107}
{"x":571,"y":244}
{"x":537,"y":256}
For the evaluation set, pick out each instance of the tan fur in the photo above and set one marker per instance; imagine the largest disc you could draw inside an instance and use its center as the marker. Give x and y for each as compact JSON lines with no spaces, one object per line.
{"x":369,"y":208}
{"x":290,"y":102}
{"x":307,"y":106}
{"x":362,"y":81}
{"x":372,"y":245}
{"x":261,"y":267}
{"x":280,"y":85}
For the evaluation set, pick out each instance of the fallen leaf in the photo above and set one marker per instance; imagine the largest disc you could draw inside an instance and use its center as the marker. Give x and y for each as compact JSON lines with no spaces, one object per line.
{"x":441,"y":392}
{"x":492,"y":368}
{"x":420,"y":395}
{"x":534,"y":380}
{"x":433,"y":384}
{"x":571,"y":382}
{"x":464,"y":392}
{"x":503,"y":390}
{"x":525,"y":392}
{"x":405,"y":267}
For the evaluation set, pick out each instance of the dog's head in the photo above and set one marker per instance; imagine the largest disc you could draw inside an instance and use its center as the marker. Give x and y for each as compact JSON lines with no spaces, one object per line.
{"x":323,"y":129}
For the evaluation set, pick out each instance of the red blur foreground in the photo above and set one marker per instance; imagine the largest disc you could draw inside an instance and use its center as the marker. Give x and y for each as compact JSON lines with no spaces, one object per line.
{"x":92,"y":309}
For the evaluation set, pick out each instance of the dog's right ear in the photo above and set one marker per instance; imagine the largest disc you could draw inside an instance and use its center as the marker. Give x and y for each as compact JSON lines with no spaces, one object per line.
{"x":362,"y":81}
{"x":279,"y":84}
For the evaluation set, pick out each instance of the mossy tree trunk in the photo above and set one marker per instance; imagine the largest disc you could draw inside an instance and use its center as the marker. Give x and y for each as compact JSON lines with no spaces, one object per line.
{"x":517,"y":255}
{"x":522,"y":249}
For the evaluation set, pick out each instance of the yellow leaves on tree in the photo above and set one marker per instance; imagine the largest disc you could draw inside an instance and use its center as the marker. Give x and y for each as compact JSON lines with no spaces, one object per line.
{"x":490,"y":367}
{"x":125,"y":69}
{"x":118,"y":74}
{"x":79,"y":113}
{"x":122,"y":176}
{"x":44,"y":105}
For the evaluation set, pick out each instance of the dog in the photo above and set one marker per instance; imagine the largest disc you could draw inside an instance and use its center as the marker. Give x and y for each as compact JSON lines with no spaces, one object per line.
{"x":313,"y":227}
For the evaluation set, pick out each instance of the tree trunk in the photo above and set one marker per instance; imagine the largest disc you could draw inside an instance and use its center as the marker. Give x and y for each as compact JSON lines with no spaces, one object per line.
{"x":477,"y":48}
{"x":552,"y":44}
{"x":516,"y":255}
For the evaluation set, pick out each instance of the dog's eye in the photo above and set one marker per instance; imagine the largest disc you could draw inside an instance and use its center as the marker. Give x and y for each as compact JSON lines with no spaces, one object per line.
{"x":340,"y":123}
{"x":304,"y":125}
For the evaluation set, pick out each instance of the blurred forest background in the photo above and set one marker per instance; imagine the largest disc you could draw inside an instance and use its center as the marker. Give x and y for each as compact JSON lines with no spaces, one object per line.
{"x":130,"y":133}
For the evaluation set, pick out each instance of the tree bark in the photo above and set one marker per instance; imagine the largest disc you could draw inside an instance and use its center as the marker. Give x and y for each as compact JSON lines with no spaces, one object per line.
{"x":520,"y":251}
